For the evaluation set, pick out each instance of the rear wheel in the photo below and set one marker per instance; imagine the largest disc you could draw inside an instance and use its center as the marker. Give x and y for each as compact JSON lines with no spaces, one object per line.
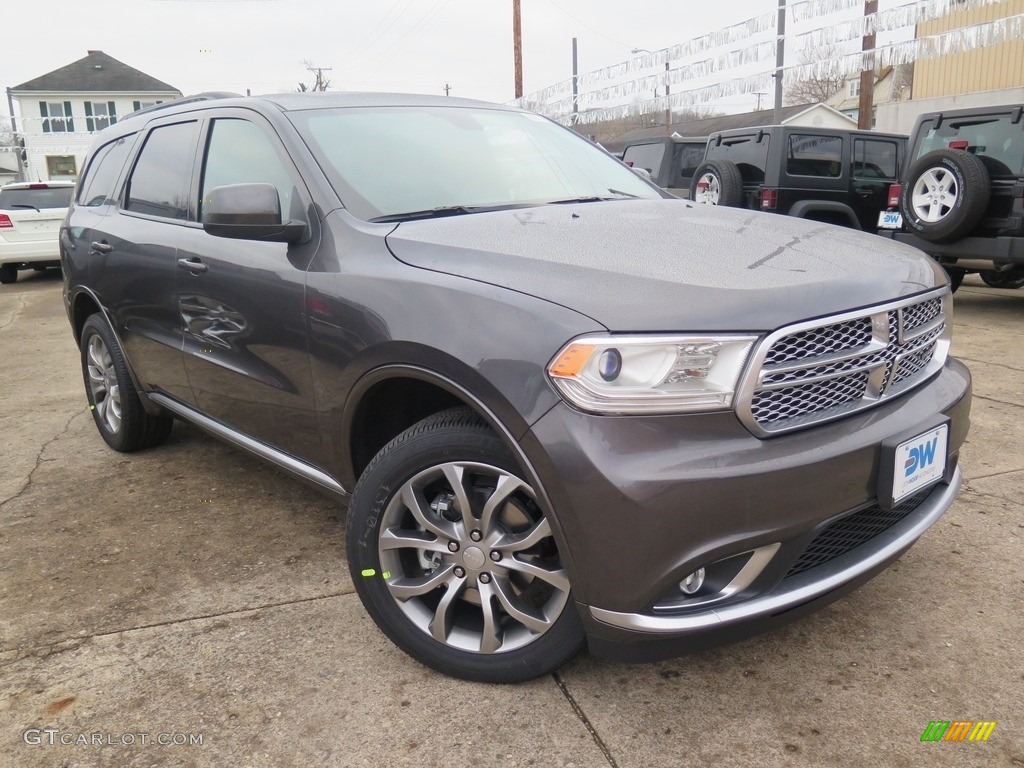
{"x":717,"y":182}
{"x":454,"y":559}
{"x":1008,"y":278}
{"x":8,"y":273}
{"x":116,"y":408}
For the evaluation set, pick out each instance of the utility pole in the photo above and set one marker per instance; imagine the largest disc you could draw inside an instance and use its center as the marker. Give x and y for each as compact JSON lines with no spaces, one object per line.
{"x":575,"y":85}
{"x":780,"y":61}
{"x":866,"y":107}
{"x":517,"y":47}
{"x":668,"y":102}
{"x":19,"y":146}
{"x":321,"y":84}
{"x":447,"y":88}
{"x":759,"y":94}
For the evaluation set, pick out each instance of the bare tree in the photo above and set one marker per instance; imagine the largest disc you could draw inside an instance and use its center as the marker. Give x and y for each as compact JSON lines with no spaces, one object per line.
{"x":816,"y":89}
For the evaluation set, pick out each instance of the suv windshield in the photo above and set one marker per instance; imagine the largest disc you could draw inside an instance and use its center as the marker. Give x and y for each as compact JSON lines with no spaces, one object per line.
{"x":995,"y":139}
{"x":393,"y":161}
{"x":46,"y":197}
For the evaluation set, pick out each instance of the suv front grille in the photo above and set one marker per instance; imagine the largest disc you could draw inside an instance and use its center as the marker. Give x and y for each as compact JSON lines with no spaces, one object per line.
{"x":849,"y":532}
{"x":815,"y":372}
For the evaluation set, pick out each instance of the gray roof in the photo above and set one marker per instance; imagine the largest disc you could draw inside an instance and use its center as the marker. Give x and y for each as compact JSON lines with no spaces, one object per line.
{"x":96,"y":72}
{"x":706,"y":126}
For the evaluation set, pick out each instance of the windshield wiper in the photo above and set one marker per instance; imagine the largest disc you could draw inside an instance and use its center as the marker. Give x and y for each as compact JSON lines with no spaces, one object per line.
{"x":619,"y":194}
{"x":24,"y":205}
{"x":430,"y":213}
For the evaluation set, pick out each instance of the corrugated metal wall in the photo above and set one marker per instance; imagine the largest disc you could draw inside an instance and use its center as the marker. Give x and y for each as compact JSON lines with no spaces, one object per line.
{"x":1001,"y":66}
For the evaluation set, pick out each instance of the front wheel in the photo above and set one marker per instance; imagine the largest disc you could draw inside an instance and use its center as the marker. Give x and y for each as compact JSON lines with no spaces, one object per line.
{"x":1010,"y":278}
{"x":455,"y":560}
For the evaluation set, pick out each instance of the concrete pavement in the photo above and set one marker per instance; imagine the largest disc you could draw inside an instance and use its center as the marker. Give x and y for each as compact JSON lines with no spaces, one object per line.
{"x":192,"y":593}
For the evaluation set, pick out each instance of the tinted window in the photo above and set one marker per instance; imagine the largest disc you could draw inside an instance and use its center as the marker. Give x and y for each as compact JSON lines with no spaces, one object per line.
{"x":647,"y":156}
{"x":687,"y":158}
{"x":814,"y":156}
{"x":238,"y":152}
{"x":51,"y":197}
{"x":874,"y":159}
{"x":386,"y":161}
{"x":996,"y":140}
{"x":101,"y":175}
{"x":749,"y":154}
{"x":160,"y":182}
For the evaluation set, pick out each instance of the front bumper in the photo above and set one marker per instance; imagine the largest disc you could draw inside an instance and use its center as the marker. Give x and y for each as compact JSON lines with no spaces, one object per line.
{"x":639,"y":503}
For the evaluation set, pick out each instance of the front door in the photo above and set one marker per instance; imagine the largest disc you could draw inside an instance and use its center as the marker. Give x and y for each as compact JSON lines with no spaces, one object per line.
{"x":875,"y":167}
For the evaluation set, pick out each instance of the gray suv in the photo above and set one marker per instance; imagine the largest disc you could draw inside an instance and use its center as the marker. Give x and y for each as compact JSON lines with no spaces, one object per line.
{"x":561,"y":405}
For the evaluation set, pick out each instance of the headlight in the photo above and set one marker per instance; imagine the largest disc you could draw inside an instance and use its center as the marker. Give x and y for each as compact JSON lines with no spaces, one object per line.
{"x":650,"y":374}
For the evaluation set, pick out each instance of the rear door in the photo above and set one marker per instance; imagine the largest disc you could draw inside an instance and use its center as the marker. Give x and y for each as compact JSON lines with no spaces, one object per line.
{"x":876,"y":164}
{"x":134,"y":255}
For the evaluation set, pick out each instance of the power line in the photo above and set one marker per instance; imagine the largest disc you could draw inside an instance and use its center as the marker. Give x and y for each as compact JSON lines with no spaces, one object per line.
{"x":587,"y":26}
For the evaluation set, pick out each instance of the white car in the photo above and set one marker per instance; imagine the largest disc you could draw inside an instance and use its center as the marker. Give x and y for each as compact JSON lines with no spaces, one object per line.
{"x":30,"y":218}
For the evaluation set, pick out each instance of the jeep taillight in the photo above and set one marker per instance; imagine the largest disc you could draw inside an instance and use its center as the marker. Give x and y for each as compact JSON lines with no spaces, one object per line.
{"x":895,"y":190}
{"x":959,"y":144}
{"x":769,"y":199}
{"x":5,"y":221}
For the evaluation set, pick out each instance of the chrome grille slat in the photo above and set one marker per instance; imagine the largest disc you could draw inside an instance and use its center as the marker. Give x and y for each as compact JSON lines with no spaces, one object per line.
{"x":815,"y":372}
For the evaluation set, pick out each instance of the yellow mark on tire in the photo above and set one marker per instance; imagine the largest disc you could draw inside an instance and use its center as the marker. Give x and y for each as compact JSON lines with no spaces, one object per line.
{"x":368,"y":572}
{"x":386,"y":575}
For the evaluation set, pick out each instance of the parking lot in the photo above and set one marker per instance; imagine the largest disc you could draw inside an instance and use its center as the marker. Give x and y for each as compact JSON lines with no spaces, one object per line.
{"x":190,"y":605}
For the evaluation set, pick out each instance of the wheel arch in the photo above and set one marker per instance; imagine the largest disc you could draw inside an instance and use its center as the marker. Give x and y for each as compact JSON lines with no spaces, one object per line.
{"x":805,"y":209}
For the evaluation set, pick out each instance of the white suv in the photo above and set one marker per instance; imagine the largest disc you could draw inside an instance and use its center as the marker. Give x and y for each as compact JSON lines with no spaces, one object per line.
{"x":30,"y":217}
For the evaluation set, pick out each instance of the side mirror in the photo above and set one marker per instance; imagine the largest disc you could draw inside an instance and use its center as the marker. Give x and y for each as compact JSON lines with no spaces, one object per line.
{"x":249,"y":212}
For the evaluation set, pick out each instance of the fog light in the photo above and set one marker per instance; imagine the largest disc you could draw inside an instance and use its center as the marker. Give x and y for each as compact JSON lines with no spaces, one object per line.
{"x":691,"y":584}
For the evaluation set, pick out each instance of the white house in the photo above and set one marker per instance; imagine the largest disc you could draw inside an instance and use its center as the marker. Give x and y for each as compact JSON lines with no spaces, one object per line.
{"x":59,"y":111}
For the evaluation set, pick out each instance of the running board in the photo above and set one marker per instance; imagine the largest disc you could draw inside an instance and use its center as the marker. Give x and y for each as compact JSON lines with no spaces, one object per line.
{"x":274,"y":456}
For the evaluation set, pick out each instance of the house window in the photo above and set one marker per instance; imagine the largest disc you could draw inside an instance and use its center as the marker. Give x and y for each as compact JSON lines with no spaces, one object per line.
{"x":61,"y":166}
{"x":56,"y":116}
{"x":853,"y":88}
{"x":137,"y":105}
{"x":99,"y":114}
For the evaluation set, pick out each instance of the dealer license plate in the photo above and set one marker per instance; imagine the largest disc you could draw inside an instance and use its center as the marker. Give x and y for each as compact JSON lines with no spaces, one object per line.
{"x":920,"y":462}
{"x":890,"y":220}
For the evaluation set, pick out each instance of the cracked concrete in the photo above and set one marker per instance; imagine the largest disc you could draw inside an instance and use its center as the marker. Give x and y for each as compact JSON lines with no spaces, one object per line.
{"x":193,"y":590}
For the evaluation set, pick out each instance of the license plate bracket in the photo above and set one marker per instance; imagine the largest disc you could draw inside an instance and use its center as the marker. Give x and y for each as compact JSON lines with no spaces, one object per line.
{"x":890,"y":220}
{"x":913,"y":461}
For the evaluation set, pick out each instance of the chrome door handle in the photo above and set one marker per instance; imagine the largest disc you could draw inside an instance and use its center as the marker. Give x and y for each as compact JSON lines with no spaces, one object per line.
{"x":192,"y":265}
{"x":101,"y":247}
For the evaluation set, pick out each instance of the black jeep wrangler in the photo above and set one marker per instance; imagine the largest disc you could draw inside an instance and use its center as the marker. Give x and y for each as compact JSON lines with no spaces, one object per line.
{"x":670,"y":160}
{"x":831,"y":175}
{"x":962,"y":197}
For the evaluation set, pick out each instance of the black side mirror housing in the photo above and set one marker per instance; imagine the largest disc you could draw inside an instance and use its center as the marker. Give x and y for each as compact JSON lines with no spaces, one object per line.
{"x":249,"y":212}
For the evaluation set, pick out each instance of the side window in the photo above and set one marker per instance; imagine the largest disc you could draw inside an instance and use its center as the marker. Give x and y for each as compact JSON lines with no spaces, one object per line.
{"x":647,"y":156}
{"x":159,"y":185}
{"x":688,"y":157}
{"x":874,"y":159}
{"x":101,"y":175}
{"x":820,"y":156}
{"x":749,"y":152}
{"x":239,"y":152}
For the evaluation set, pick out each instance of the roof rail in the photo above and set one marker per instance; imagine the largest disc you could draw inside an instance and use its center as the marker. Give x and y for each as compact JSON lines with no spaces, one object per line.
{"x":205,"y":96}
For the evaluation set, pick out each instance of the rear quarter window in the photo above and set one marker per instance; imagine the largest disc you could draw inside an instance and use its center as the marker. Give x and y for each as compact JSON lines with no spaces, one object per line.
{"x":647,"y":156}
{"x":160,"y":182}
{"x":811,"y":155}
{"x":97,"y":186}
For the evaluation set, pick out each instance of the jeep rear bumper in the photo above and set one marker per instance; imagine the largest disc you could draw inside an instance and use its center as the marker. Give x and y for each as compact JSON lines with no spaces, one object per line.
{"x":998,"y":250}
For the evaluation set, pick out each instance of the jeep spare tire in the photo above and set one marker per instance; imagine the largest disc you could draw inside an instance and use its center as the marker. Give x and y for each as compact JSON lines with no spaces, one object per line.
{"x":946,"y":194}
{"x":717,"y":182}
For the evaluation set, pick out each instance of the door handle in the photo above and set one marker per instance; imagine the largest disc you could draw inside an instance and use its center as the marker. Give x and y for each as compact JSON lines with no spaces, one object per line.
{"x":865,"y":191}
{"x":192,"y":265}
{"x":101,"y":247}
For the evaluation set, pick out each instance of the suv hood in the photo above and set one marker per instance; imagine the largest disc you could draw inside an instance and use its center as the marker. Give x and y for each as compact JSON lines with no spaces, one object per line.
{"x":670,"y":265}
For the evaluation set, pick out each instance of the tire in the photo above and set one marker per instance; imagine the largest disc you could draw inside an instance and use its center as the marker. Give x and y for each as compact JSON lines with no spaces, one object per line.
{"x":408,"y":495}
{"x":946,"y":195}
{"x":1009,"y":278}
{"x":723,"y":184}
{"x":8,"y":274}
{"x":956,"y":277}
{"x":116,"y":408}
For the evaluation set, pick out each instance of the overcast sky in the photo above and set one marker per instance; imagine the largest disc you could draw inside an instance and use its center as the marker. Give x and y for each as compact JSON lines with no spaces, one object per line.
{"x":388,"y":45}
